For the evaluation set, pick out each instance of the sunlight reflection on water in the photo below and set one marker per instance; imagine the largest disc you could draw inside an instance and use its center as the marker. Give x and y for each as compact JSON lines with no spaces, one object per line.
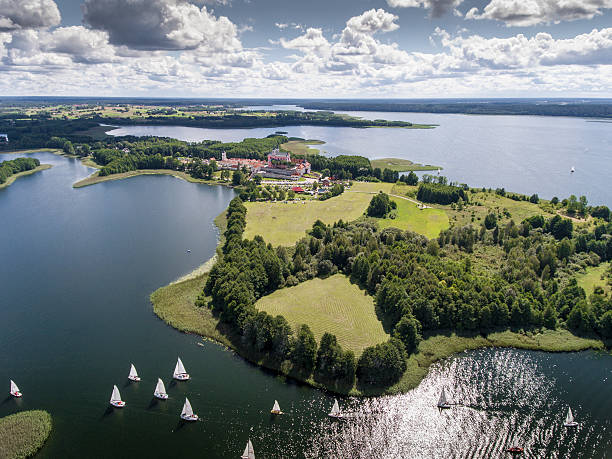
{"x":501,"y":398}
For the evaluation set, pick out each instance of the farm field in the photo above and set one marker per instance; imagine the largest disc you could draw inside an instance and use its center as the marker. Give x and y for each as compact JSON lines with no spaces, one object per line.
{"x":331,"y":305}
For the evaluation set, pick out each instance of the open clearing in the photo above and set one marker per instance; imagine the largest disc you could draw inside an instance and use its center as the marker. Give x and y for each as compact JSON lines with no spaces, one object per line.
{"x":594,"y":277}
{"x":331,"y":305}
{"x":428,"y":222}
{"x":285,"y":223}
{"x":24,"y":433}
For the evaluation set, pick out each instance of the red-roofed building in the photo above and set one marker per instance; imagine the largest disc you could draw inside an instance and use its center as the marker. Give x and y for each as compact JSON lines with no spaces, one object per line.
{"x":297,"y":189}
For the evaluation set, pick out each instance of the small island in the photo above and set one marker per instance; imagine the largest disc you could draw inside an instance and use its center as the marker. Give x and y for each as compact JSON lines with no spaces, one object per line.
{"x":23,"y":434}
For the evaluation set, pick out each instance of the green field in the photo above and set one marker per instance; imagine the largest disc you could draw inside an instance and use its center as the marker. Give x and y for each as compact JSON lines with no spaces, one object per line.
{"x":428,"y":222}
{"x":595,"y":276}
{"x":24,"y":433}
{"x":302,"y":147}
{"x":401,"y":165}
{"x":331,"y":305}
{"x":285,"y":223}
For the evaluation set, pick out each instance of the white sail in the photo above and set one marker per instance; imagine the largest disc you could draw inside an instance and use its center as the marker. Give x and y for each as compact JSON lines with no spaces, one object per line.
{"x":116,"y":396}
{"x":187,"y":410}
{"x":133,"y":372}
{"x":335,"y":411}
{"x":442,"y":400}
{"x":276,"y":406}
{"x":249,"y":452}
{"x":160,"y":388}
{"x":179,"y":369}
{"x":569,"y":419}
{"x":14,"y":387}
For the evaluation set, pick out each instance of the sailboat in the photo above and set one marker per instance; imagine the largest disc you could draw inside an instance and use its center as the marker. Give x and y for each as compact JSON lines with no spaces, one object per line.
{"x":573,"y":169}
{"x":276,"y":408}
{"x":160,"y":390}
{"x":133,"y":376}
{"x":15,"y":390}
{"x":569,"y":419}
{"x":335,"y":411}
{"x":115,"y":399}
{"x":179,"y":371}
{"x":442,"y":401}
{"x":187,"y":413}
{"x":249,"y":452}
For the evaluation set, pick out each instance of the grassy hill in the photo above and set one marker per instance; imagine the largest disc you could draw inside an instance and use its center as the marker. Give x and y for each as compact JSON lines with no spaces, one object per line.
{"x":428,"y":222}
{"x":331,"y":305}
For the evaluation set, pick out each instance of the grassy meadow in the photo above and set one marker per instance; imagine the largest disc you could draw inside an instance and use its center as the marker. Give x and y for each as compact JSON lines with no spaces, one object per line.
{"x":401,"y":165}
{"x":428,"y":222}
{"x":23,"y":434}
{"x":302,"y":147}
{"x":285,"y":223}
{"x":333,"y":305}
{"x":594,"y":277}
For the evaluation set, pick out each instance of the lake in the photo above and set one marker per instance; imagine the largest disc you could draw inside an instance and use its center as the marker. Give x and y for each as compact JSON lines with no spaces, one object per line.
{"x":525,"y":154}
{"x":78,"y":266}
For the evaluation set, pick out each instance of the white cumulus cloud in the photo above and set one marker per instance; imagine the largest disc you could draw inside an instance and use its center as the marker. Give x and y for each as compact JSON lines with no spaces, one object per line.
{"x":28,"y":14}
{"x":437,"y":8}
{"x":532,"y":12}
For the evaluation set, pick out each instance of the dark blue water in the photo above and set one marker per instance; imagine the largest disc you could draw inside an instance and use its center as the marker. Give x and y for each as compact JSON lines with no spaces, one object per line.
{"x":77,"y":268}
{"x":525,"y":154}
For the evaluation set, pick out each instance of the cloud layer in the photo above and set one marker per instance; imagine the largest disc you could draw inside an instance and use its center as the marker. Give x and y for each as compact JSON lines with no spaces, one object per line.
{"x":179,"y":47}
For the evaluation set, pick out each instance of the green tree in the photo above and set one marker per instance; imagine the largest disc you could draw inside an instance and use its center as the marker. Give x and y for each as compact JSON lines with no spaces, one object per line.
{"x":490,"y":221}
{"x":380,"y":206}
{"x":408,"y":330}
{"x":238,"y":178}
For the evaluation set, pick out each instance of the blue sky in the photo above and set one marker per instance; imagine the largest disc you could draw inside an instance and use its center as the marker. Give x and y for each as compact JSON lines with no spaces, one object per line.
{"x":315,"y":48}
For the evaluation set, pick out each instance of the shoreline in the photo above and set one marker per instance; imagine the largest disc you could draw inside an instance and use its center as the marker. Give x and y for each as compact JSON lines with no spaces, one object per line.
{"x":175,"y":305}
{"x":14,"y":177}
{"x":95,"y":178}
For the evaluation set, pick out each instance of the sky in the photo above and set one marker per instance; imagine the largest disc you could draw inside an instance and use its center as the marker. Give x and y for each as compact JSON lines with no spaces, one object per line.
{"x":306,"y":48}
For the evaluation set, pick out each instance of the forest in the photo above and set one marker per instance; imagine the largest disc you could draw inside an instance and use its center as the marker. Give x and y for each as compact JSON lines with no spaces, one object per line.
{"x":14,"y":166}
{"x":420,"y":287}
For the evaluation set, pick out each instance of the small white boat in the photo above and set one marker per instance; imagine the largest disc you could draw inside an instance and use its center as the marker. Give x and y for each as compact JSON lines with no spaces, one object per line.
{"x":15,"y":390}
{"x":569,"y":419}
{"x":442,"y":401}
{"x":249,"y":452}
{"x":160,"y":390}
{"x":179,"y":371}
{"x":335,"y":411}
{"x":133,"y":376}
{"x":115,"y":399}
{"x":572,"y":170}
{"x":187,"y":414}
{"x":276,"y":408}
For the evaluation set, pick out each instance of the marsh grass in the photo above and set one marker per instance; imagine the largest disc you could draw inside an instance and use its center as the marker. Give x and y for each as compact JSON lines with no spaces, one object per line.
{"x":23,"y":434}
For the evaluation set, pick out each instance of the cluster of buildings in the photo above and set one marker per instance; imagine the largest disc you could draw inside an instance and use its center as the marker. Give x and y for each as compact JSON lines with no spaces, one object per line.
{"x":279,"y":165}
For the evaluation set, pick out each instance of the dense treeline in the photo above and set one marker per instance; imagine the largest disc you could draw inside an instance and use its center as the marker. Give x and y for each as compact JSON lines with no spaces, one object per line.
{"x":14,"y":166}
{"x":438,"y":193}
{"x":419,"y":286}
{"x":490,"y":107}
{"x":244,"y":120}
